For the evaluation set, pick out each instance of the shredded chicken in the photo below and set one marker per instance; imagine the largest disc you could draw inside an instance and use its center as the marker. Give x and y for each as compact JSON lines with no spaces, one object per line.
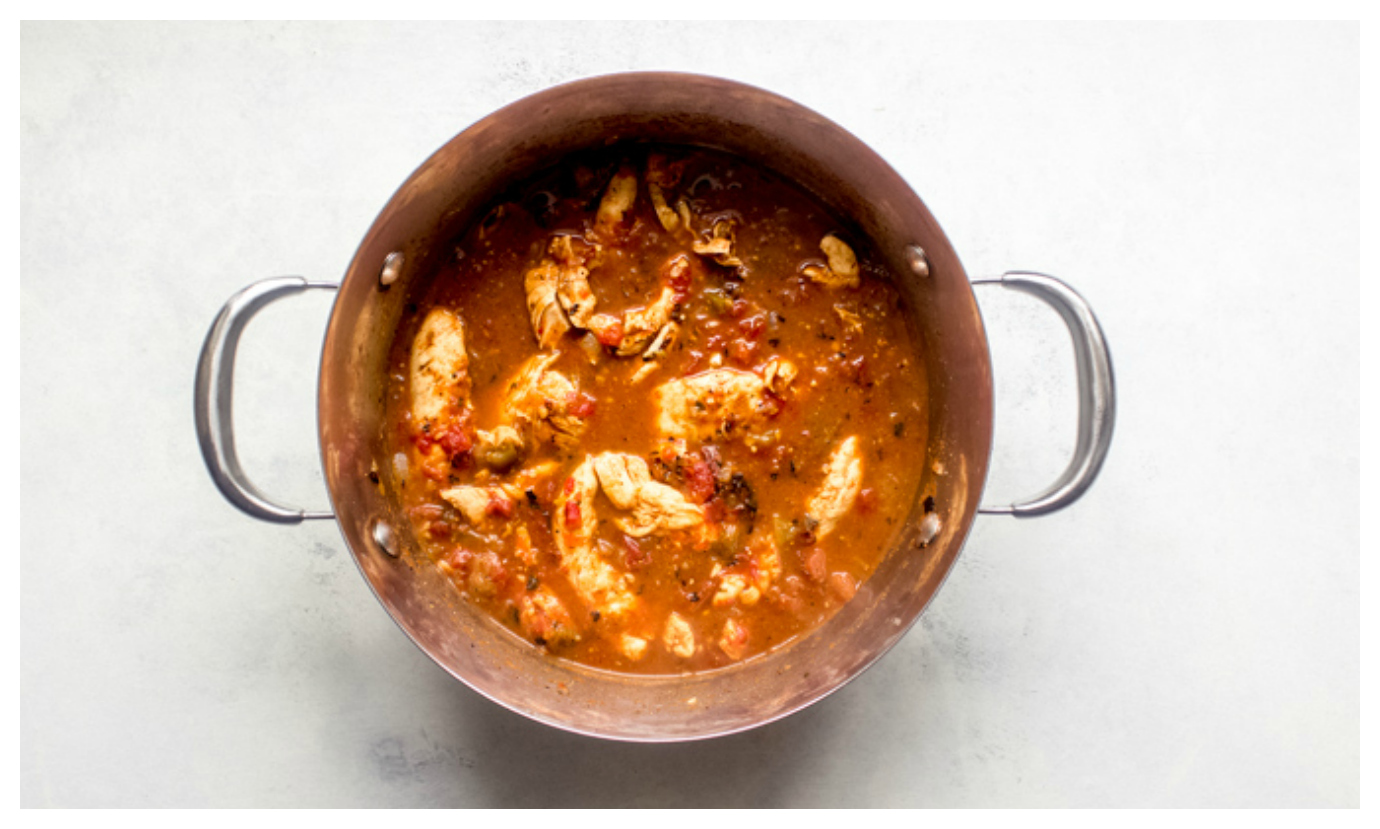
{"x":679,"y":637}
{"x":549,"y":322}
{"x":720,"y":245}
{"x":842,"y":483}
{"x":617,"y":201}
{"x":642,"y":325}
{"x":539,"y":401}
{"x":733,"y":641}
{"x":572,"y":283}
{"x":633,"y":647}
{"x":655,"y":507}
{"x":439,"y":368}
{"x":850,"y":320}
{"x":661,"y":176}
{"x":544,"y":619}
{"x":573,"y":523}
{"x":842,"y":270}
{"x":721,"y":402}
{"x":478,"y":503}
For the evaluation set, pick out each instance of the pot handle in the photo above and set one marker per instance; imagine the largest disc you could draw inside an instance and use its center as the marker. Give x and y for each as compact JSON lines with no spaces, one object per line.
{"x":1096,"y":392}
{"x":215,"y":375}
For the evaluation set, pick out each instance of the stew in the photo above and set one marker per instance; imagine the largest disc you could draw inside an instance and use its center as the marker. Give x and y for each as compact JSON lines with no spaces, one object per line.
{"x":659,"y":411}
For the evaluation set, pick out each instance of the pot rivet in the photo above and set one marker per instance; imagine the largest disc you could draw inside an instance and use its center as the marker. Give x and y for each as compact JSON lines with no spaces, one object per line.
{"x":392,"y":269}
{"x":918,"y":262}
{"x":383,"y":536}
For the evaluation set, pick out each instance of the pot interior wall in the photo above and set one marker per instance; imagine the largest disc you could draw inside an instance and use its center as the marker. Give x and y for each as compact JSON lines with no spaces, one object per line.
{"x":446,"y":194}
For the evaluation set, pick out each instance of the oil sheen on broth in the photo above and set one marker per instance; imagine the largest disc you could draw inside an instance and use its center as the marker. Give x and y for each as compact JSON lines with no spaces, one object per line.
{"x":658,"y":413}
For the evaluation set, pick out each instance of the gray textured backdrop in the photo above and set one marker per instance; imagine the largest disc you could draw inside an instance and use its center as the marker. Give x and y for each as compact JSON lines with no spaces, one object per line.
{"x":1188,"y":634}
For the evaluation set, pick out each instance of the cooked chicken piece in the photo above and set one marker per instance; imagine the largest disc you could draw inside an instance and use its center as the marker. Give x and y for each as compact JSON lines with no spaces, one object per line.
{"x":662,"y":175}
{"x":735,"y":587}
{"x":850,"y":320}
{"x":665,"y":338}
{"x":768,"y":561}
{"x":482,"y":574}
{"x":539,"y":400}
{"x":439,"y":369}
{"x":607,"y":329}
{"x":545,"y":620}
{"x":722,"y":401}
{"x":617,"y":201}
{"x":842,"y":270}
{"x":747,"y":581}
{"x":478,"y":503}
{"x":549,"y":322}
{"x":778,"y":374}
{"x":573,"y":522}
{"x":683,"y":211}
{"x":572,"y":283}
{"x":655,"y":507}
{"x":734,"y":639}
{"x":679,"y":637}
{"x":641,"y":326}
{"x":522,"y":546}
{"x":664,"y":213}
{"x":720,"y":245}
{"x":499,"y":449}
{"x":528,"y":478}
{"x":842,"y":483}
{"x":633,"y":647}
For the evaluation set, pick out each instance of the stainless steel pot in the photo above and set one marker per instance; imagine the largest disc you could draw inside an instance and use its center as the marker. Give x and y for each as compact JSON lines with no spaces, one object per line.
{"x":445,"y":194}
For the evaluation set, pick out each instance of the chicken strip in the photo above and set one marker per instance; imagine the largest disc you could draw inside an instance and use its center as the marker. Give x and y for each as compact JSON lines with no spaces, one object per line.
{"x":549,"y":322}
{"x":842,"y":483}
{"x":439,"y":369}
{"x":573,"y":523}
{"x":572,"y":283}
{"x":617,"y":201}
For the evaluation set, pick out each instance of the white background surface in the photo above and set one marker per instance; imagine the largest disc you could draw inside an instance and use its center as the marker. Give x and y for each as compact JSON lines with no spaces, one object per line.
{"x":1188,"y":634}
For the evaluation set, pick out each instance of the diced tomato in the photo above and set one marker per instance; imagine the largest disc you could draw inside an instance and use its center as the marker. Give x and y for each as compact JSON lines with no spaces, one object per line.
{"x":753,"y":326}
{"x":814,"y":564}
{"x":867,"y":501}
{"x":739,"y":309}
{"x":692,"y":362}
{"x":569,"y":485}
{"x":742,"y":351}
{"x":455,"y":440}
{"x":572,"y":513}
{"x":861,"y":375}
{"x":842,"y":586}
{"x":500,"y":505}
{"x":612,"y":335}
{"x":457,"y":562}
{"x":699,"y":479}
{"x":677,"y":274}
{"x":715,"y":512}
{"x":582,"y":405}
{"x":636,"y":556}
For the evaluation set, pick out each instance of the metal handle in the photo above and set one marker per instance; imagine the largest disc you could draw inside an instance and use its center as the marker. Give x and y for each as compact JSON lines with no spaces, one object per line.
{"x":215,"y":376}
{"x":1096,"y":392}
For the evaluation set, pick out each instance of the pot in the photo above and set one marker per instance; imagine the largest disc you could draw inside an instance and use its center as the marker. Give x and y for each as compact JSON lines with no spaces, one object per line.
{"x":446,"y":194}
